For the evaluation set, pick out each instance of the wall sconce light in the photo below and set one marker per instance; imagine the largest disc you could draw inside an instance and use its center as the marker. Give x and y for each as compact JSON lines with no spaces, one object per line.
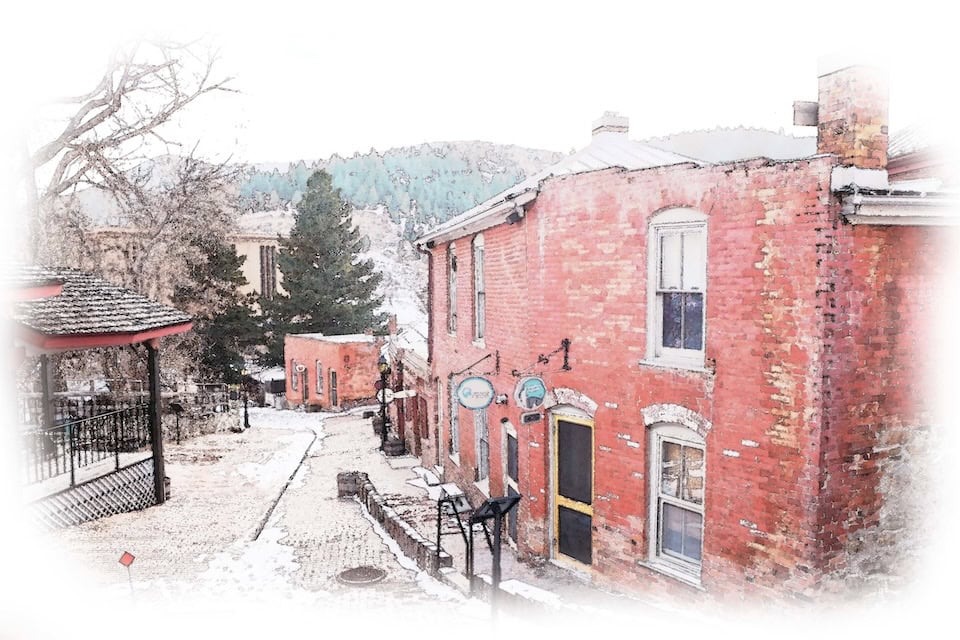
{"x":516,"y":215}
{"x":501,"y":399}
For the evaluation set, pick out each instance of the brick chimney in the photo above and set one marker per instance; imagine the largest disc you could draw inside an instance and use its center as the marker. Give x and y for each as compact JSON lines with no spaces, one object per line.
{"x":852,"y":115}
{"x":611,"y":122}
{"x":392,"y":324}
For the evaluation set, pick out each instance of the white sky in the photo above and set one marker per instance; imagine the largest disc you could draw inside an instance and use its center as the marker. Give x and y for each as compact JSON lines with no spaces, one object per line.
{"x":364,"y":74}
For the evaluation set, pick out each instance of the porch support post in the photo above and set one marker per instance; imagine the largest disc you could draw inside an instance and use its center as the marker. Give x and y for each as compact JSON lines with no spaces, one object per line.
{"x":156,"y":426}
{"x":46,"y":392}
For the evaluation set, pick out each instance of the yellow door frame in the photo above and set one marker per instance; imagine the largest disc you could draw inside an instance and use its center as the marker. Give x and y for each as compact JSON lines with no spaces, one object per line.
{"x":562,"y":501}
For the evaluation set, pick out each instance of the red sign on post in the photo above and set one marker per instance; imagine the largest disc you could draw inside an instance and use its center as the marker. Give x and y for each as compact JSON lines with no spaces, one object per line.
{"x":126,"y":559}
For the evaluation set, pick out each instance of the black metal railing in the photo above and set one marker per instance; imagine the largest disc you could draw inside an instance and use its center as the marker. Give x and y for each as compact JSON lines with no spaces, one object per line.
{"x":74,"y":444}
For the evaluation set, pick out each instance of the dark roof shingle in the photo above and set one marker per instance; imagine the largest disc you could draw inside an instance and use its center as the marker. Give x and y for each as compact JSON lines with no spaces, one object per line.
{"x":89,"y":305}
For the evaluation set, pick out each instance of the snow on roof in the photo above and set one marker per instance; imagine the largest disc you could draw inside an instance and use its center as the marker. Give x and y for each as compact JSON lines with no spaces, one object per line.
{"x":271,"y":373}
{"x":272,"y":223}
{"x":412,"y":338}
{"x":606,"y":150}
{"x":342,"y":339}
{"x":89,"y":305}
{"x":908,"y":140}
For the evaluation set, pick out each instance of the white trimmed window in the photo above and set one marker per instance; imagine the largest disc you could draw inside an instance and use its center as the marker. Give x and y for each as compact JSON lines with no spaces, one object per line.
{"x":479,"y":290}
{"x":294,"y":376}
{"x":677,"y":288}
{"x":677,"y":484}
{"x":319,"y":378}
{"x":482,"y":433}
{"x":452,"y":288}
{"x":454,"y":418}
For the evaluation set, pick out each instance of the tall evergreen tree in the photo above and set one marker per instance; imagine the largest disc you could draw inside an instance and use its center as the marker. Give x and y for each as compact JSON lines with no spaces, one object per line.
{"x":330,"y":290}
{"x":224,"y":321}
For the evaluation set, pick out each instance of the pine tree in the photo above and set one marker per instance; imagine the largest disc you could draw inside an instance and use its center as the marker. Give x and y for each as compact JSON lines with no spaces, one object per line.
{"x":224,"y":321}
{"x":330,"y":290}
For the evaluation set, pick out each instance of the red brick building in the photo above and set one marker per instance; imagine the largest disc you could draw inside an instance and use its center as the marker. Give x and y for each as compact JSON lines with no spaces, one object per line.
{"x":331,"y":372}
{"x":731,"y":354}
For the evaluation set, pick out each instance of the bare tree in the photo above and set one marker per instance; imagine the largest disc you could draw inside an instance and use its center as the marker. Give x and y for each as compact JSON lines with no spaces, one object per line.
{"x":108,"y":130}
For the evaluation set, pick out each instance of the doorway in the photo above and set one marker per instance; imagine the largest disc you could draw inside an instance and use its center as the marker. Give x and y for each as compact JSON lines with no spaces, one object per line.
{"x":573,"y":487}
{"x":333,"y":388}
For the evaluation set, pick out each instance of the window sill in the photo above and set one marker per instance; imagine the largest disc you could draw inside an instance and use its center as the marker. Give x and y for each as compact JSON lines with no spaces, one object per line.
{"x":484,"y":486}
{"x":480,"y":343}
{"x":673,"y":572}
{"x":662,"y":363}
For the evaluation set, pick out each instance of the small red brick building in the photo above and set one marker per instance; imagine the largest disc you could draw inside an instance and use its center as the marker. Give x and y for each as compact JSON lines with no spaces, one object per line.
{"x":331,"y":372}
{"x":706,"y":375}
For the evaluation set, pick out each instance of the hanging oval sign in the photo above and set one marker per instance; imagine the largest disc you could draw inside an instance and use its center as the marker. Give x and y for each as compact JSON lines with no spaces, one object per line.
{"x":530,"y":393}
{"x":475,"y":393}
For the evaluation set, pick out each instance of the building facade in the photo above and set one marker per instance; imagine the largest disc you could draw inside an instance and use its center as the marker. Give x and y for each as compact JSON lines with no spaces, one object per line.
{"x":331,"y":372}
{"x":706,"y":375}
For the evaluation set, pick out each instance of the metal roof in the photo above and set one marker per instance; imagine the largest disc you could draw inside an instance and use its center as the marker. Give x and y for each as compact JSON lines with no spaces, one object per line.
{"x":908,"y":140}
{"x":606,"y":150}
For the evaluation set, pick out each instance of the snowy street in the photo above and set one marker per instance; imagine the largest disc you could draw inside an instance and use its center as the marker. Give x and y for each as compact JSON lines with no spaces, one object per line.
{"x":254,"y":523}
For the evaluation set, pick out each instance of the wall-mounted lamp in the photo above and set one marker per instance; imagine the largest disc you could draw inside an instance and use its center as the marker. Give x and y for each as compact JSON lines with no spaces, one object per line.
{"x":516,"y":215}
{"x":501,"y":399}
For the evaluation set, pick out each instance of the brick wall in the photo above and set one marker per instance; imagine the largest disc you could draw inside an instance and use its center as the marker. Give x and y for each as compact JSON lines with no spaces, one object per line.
{"x":575,"y":268}
{"x":853,"y":116}
{"x":877,"y":415}
{"x":354,"y":362}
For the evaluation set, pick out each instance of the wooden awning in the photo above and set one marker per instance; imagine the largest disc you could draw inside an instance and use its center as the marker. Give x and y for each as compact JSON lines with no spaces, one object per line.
{"x":85,"y":312}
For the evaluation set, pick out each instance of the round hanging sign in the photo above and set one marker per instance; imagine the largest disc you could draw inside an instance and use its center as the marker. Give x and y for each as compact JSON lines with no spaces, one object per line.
{"x":530,"y":393}
{"x":475,"y":393}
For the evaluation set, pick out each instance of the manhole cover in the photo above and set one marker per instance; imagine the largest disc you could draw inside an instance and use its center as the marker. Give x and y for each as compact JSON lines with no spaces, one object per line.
{"x":361,"y":575}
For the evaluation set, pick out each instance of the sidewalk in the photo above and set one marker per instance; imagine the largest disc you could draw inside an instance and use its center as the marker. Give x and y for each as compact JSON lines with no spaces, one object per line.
{"x":255,"y":517}
{"x":413,"y":492}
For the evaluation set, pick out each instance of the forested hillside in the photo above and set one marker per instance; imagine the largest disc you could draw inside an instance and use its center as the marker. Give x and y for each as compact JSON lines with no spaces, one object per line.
{"x":421,"y":185}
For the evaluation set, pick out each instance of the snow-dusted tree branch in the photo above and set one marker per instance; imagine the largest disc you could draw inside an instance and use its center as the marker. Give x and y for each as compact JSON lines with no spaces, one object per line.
{"x":106,"y":131}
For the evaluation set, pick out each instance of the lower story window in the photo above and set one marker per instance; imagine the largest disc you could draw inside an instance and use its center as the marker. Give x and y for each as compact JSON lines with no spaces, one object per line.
{"x":677,"y":490}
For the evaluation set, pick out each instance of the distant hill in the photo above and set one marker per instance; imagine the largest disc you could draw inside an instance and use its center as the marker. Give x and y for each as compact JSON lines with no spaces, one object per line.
{"x":419,"y":186}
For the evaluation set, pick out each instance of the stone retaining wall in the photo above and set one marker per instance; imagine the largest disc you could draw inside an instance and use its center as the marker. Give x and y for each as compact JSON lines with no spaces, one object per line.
{"x":193,"y":425}
{"x":411,"y":542}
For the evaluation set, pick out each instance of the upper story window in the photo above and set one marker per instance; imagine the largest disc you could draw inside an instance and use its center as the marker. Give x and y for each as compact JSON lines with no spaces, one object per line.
{"x":268,"y":271}
{"x":452,"y":288}
{"x":677,"y":479}
{"x":482,"y":439}
{"x":677,"y":288}
{"x":479,"y":290}
{"x":454,"y":417}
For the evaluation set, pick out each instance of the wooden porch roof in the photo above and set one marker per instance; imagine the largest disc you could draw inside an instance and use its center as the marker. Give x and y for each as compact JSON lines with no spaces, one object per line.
{"x":86,"y":313}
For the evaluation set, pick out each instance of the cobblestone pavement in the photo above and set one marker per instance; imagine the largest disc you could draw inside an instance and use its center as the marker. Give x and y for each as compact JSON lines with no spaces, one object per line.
{"x":254,"y":535}
{"x":256,"y":516}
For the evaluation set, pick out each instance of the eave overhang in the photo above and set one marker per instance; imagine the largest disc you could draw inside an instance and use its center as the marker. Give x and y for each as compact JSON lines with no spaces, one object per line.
{"x":901,"y":209}
{"x":39,"y":342}
{"x":485,"y":218}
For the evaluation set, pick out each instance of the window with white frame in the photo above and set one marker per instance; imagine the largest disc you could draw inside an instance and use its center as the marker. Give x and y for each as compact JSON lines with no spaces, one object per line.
{"x":294,"y":376}
{"x":452,"y":288}
{"x":454,"y":418}
{"x":482,"y":433}
{"x":677,"y":484}
{"x":319,"y":378}
{"x":479,"y":290}
{"x":677,"y":287}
